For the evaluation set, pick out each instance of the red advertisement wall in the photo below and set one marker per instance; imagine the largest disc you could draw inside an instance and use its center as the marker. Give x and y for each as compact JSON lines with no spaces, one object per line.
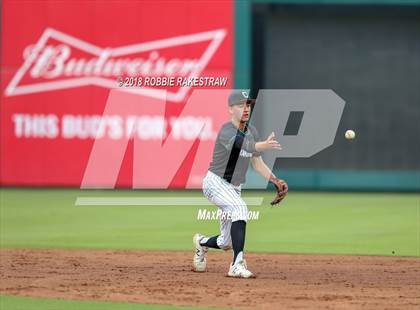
{"x":61,"y":59}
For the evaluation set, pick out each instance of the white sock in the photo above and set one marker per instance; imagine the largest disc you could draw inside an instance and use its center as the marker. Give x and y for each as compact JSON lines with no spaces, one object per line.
{"x":240,"y":257}
{"x":204,"y":240}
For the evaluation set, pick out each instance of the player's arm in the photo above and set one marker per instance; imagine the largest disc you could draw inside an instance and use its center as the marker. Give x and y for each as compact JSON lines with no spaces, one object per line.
{"x":269,"y":144}
{"x":237,"y":142}
{"x":259,"y":165}
{"x":257,"y":162}
{"x":281,"y":185}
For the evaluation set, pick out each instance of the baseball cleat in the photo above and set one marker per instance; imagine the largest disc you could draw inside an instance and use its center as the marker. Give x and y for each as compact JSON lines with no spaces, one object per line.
{"x":239,"y":270}
{"x":199,"y":259}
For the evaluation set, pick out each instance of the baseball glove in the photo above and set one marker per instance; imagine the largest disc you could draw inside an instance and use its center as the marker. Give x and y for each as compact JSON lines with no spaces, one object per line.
{"x":281,"y":188}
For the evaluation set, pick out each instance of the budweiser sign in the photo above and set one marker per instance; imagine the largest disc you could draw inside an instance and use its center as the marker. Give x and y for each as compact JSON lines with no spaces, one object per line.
{"x":60,"y":61}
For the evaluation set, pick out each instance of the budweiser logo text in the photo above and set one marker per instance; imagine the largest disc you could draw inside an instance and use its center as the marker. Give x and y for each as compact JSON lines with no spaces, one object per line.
{"x":56,"y":62}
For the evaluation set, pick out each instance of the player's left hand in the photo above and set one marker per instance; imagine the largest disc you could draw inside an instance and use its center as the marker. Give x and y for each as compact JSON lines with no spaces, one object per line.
{"x":269,"y":144}
{"x":281,"y":190}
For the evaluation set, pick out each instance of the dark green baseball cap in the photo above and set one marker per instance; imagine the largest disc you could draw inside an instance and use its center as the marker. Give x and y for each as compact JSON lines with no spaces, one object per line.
{"x":238,"y":96}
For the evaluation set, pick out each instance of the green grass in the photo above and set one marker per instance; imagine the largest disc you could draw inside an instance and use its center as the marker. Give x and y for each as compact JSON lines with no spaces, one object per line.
{"x":26,"y":303}
{"x":336,"y":223}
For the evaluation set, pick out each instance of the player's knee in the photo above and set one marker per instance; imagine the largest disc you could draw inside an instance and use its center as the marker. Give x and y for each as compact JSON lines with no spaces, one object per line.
{"x":241,"y":213}
{"x":224,"y":243}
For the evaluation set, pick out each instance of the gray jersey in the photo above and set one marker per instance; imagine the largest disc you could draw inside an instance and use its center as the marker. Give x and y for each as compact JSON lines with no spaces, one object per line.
{"x":232,"y":152}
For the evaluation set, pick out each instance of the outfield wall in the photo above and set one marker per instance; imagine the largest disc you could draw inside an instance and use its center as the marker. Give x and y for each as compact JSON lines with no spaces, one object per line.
{"x":365,"y":51}
{"x":57,"y":74}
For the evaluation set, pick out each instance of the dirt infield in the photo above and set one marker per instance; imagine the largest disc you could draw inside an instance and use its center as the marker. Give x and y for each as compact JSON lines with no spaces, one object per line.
{"x":283,"y":281}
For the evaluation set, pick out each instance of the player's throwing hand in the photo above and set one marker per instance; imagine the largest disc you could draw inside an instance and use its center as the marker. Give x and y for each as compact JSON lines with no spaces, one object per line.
{"x":269,"y":144}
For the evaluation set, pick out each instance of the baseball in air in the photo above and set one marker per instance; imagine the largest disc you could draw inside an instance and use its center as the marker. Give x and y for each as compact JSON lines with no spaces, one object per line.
{"x":350,"y":135}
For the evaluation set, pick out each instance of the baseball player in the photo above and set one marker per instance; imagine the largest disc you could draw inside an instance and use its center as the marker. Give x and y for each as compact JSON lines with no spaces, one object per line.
{"x":236,"y":145}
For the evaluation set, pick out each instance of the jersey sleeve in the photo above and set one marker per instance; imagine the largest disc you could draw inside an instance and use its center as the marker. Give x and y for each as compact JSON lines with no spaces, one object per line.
{"x":235,"y":139}
{"x":226,"y":139}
